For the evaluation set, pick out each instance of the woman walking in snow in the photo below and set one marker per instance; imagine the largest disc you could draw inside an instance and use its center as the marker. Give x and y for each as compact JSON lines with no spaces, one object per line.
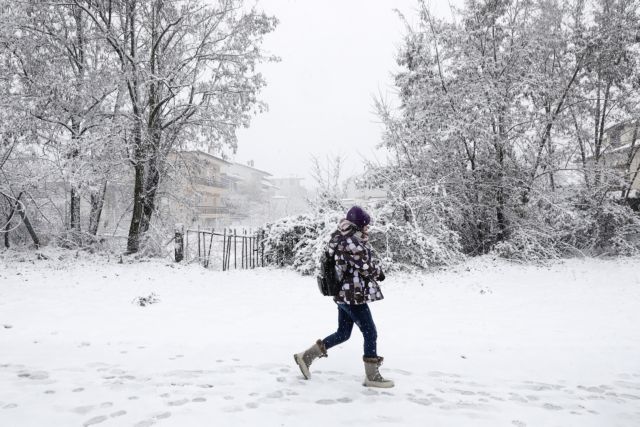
{"x":359,"y":272}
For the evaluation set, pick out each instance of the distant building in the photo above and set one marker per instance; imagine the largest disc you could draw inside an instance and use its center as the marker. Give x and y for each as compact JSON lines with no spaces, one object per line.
{"x":290,"y":197}
{"x":209,"y":191}
{"x":359,"y":191}
{"x":197,"y":190}
{"x":621,"y":151}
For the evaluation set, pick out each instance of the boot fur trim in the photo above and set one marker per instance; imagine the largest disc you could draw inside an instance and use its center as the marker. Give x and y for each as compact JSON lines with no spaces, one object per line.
{"x":323,"y":349}
{"x":377,"y":360}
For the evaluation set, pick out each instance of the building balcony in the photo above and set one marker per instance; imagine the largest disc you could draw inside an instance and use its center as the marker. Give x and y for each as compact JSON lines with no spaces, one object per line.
{"x":213,"y":210}
{"x":217,"y":182}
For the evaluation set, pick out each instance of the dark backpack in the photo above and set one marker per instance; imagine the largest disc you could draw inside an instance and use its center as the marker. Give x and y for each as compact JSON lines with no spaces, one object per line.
{"x":328,"y":282}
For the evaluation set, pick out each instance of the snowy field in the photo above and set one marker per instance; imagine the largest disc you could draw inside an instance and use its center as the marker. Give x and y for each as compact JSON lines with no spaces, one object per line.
{"x":484,"y":344}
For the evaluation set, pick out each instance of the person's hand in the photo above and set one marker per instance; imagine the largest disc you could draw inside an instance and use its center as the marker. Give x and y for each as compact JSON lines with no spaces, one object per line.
{"x":381,"y":276}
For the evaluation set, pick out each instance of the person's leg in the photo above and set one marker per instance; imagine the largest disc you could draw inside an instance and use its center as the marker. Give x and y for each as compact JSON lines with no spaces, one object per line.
{"x":345,"y":326}
{"x":372,"y":362}
{"x":362,"y":317}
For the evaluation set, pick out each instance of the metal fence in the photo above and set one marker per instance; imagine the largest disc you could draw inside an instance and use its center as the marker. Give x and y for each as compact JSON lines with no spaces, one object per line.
{"x":224,"y":250}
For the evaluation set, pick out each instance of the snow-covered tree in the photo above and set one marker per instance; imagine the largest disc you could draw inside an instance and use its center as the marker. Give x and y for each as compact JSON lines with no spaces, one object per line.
{"x":488,"y":110}
{"x":190,"y":73}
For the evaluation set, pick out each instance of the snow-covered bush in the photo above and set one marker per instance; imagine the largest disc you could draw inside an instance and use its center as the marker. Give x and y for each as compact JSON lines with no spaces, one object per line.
{"x":298,"y":241}
{"x":606,"y":228}
{"x":583,"y":225}
{"x":528,"y":244}
{"x":425,"y":242}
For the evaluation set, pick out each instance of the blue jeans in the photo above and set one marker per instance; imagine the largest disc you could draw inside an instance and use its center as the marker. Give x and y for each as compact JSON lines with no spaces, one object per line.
{"x":361,"y":316}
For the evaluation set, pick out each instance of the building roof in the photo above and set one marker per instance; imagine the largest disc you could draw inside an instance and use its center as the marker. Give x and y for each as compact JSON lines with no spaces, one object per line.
{"x":204,"y":153}
{"x":620,"y":125}
{"x":252,"y":168}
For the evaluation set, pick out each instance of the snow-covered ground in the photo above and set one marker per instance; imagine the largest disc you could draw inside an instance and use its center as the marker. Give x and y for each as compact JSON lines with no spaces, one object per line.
{"x":486,"y":343}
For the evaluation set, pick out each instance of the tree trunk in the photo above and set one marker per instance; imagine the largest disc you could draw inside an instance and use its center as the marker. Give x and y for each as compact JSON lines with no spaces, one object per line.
{"x":74,"y":210}
{"x":74,"y":196}
{"x":97,"y":203}
{"x":151,"y":187}
{"x":133,"y":241}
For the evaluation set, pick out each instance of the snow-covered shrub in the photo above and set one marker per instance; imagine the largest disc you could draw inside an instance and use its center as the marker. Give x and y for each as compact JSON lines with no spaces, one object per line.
{"x":528,"y":244}
{"x":581,"y":225}
{"x":606,"y":228}
{"x":424,"y":243}
{"x":298,"y":241}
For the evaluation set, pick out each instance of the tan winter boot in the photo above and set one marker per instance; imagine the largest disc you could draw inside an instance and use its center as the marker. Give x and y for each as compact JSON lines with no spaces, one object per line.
{"x":305,"y":358}
{"x":373,"y":377}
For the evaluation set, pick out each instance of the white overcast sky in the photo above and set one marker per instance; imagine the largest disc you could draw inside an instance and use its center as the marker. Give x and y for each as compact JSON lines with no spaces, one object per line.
{"x":336,"y":55}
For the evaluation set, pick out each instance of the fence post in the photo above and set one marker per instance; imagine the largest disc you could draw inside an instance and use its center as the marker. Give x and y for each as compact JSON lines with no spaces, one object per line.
{"x":224,"y":249}
{"x":244,"y":249}
{"x":229,"y":251}
{"x":186,"y":244}
{"x":210,"y":243}
{"x":199,"y":245}
{"x":235,"y":255}
{"x":179,"y":242}
{"x":253,"y":253}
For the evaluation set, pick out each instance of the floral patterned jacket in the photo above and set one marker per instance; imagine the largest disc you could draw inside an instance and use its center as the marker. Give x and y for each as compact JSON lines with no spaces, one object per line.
{"x":356,"y":265}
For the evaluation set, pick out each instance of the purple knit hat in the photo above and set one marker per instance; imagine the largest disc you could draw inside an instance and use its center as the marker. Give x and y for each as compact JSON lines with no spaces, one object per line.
{"x":358,"y":216}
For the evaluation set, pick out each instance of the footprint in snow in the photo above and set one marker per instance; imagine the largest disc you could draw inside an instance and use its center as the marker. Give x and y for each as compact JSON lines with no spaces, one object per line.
{"x":37,"y":375}
{"x":466,"y":405}
{"x":630,"y":396}
{"x":154,"y":418}
{"x":178,"y":402}
{"x":10,"y":406}
{"x":275,"y":395}
{"x":517,"y":398}
{"x":463,"y":392}
{"x":199,"y":399}
{"x":326,"y":402}
{"x":94,"y":420}
{"x":591,"y":389}
{"x":421,"y":401}
{"x":83,"y":409}
{"x":552,"y":407}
